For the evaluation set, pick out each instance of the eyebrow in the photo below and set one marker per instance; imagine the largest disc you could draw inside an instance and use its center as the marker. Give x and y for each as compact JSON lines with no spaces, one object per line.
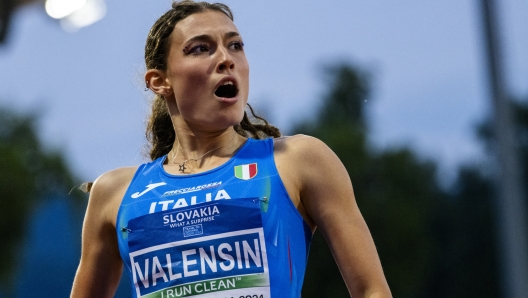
{"x":207,"y":37}
{"x":231,"y":34}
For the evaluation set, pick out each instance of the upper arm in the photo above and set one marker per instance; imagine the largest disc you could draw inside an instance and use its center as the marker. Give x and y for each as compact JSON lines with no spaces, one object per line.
{"x":100,"y":267}
{"x":326,"y":194}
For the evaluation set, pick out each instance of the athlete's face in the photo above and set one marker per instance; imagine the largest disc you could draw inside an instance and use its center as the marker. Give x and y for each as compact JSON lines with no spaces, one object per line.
{"x":208,"y":71}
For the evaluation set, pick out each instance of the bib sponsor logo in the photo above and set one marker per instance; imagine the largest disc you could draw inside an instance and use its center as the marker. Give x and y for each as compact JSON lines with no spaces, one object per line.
{"x":192,"y":230}
{"x":214,"y":249}
{"x":183,"y":202}
{"x":246,"y":172}
{"x":149,"y":188}
{"x":192,"y":189}
{"x":227,"y":257}
{"x":190,"y":217}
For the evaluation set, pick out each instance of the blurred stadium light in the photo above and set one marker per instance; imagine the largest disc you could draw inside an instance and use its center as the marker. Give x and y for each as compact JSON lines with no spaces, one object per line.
{"x":72,"y":14}
{"x":59,"y":9}
{"x":75,"y":14}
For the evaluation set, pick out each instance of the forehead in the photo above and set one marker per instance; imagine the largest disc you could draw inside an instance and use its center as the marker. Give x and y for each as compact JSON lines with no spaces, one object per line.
{"x":208,"y":22}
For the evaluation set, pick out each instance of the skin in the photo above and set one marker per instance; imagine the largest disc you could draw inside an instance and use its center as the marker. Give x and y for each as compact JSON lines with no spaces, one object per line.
{"x":205,"y":50}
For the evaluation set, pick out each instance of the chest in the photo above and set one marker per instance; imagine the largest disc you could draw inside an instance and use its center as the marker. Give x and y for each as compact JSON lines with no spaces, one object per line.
{"x":155,"y":191}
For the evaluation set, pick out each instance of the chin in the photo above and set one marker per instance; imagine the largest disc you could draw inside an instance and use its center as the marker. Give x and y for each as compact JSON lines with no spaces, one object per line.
{"x":235,"y":115}
{"x":236,"y":120}
{"x":225,"y":122}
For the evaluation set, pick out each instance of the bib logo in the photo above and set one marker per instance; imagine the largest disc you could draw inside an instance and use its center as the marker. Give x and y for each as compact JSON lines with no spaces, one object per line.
{"x":214,"y":264}
{"x":215,"y":249}
{"x":183,"y":202}
{"x":193,"y":216}
{"x":246,"y":172}
{"x":149,"y":188}
{"x":192,"y":189}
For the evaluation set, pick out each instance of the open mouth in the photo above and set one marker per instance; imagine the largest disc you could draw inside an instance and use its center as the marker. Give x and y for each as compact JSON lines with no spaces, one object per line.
{"x":227,"y":90}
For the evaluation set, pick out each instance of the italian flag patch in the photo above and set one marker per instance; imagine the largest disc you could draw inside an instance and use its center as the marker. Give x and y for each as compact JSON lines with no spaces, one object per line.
{"x":246,"y":172}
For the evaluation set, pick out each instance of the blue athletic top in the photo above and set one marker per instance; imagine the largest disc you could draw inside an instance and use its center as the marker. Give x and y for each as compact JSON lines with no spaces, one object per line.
{"x":228,"y":232}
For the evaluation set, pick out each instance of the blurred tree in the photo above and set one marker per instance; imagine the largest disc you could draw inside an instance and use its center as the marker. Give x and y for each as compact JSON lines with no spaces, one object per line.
{"x":7,"y":9}
{"x":521,"y":121}
{"x":465,"y":258}
{"x":467,"y":263}
{"x":395,"y":190}
{"x":432,"y":242}
{"x":30,"y":173}
{"x":520,"y":113}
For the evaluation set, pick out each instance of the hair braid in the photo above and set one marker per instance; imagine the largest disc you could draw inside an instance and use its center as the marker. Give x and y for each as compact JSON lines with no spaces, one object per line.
{"x":259,"y":129}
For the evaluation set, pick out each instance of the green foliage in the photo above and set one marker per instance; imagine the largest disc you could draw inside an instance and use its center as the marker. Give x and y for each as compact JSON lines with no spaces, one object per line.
{"x":29,"y":174}
{"x":521,"y":118}
{"x":432,"y":242}
{"x":395,"y":192}
{"x":396,"y":195}
{"x":345,"y":99}
{"x":465,"y":258}
{"x":520,"y":113}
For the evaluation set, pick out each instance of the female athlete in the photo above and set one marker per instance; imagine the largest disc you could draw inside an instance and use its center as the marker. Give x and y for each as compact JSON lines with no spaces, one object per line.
{"x":227,"y":207}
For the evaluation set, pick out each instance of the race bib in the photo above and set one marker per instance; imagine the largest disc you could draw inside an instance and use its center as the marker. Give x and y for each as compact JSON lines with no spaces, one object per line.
{"x":214,"y":249}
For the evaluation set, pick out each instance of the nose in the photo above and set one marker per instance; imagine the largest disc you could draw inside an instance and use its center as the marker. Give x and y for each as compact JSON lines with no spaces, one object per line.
{"x":225,"y":61}
{"x":226,"y":64}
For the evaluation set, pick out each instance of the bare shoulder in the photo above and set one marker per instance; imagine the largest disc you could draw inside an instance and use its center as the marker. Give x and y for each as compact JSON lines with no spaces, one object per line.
{"x":114,"y":179}
{"x":108,"y":190}
{"x":324,"y":195}
{"x":305,"y":152}
{"x":300,"y":146}
{"x":307,"y":166}
{"x":100,"y":266}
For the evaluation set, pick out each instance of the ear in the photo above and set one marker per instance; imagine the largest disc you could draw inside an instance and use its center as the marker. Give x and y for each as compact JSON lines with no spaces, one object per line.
{"x":156,"y":81}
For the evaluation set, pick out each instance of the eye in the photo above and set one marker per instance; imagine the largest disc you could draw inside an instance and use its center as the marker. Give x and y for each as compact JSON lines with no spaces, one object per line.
{"x":236,"y":46}
{"x":197,"y":50}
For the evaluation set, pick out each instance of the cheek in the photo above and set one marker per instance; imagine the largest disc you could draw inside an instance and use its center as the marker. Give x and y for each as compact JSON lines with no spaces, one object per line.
{"x":190,"y":85}
{"x":244,"y":67}
{"x":245,"y":75}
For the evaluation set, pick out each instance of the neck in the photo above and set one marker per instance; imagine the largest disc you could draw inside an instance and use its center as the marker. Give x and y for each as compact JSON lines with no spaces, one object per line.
{"x":194,"y":152}
{"x":192,"y":144}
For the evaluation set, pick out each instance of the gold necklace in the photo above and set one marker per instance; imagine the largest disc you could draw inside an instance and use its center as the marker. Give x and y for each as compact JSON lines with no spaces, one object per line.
{"x":182,"y":165}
